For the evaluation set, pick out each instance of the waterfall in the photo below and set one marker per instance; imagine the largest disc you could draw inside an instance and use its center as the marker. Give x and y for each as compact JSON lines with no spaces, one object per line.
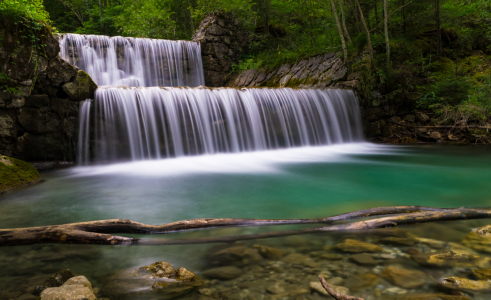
{"x":134,"y":61}
{"x":128,"y":123}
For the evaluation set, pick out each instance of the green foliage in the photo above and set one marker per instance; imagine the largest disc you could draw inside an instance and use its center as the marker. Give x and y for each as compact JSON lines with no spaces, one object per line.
{"x":24,"y":10}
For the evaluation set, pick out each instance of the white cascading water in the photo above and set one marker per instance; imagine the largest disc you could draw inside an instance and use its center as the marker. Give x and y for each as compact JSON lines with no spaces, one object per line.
{"x":152,"y":123}
{"x":134,"y":61}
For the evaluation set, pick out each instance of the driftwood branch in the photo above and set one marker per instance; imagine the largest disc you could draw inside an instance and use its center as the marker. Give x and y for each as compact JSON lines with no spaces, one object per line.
{"x":335,"y":294}
{"x":100,"y":232}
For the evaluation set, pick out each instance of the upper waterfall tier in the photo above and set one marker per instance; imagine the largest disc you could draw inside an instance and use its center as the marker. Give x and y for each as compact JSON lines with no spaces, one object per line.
{"x":134,"y":61}
{"x":144,"y":123}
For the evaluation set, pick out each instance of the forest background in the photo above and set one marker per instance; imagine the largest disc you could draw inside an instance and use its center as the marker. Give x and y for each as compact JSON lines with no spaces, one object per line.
{"x":433,"y":54}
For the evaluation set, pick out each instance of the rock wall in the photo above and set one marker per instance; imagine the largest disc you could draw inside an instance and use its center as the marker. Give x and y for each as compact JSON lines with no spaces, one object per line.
{"x":319,"y":71}
{"x":39,"y":94}
{"x":222,"y":42}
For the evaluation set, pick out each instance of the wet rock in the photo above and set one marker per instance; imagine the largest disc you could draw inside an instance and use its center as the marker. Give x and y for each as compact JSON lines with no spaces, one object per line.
{"x":482,"y":274}
{"x":466,"y":284}
{"x":238,"y":256}
{"x":68,"y":292}
{"x":158,"y":280}
{"x":55,"y":280}
{"x":362,"y":281}
{"x":269,"y":252}
{"x":404,"y":278}
{"x":449,"y":259}
{"x":479,"y":239}
{"x":79,"y":280}
{"x":60,"y":71}
{"x":82,"y":88}
{"x":350,"y":245}
{"x":228,"y":272}
{"x":363,"y":259}
{"x":206,"y":292}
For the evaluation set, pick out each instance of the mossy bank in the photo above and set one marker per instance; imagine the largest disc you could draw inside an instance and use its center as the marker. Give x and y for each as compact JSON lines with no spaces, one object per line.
{"x":15,"y":173}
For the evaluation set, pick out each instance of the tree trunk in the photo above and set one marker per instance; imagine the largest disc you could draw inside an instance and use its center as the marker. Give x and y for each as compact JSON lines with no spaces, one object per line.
{"x":369,"y":41}
{"x":438,"y":29}
{"x":343,"y":19}
{"x":340,"y":30}
{"x":386,"y":30}
{"x":99,"y":232}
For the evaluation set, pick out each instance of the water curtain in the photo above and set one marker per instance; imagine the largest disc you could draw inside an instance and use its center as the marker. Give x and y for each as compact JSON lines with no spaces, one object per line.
{"x":134,"y":61}
{"x":154,"y":123}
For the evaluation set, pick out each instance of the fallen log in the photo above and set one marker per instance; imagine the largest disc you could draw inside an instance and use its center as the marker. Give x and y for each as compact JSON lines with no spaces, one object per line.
{"x":100,"y":232}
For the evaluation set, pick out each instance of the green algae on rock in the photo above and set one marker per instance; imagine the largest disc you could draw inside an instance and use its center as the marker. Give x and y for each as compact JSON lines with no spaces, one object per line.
{"x":15,"y":173}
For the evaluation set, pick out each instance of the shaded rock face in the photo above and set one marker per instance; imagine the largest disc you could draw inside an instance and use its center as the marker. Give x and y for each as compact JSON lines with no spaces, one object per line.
{"x":222,"y":42}
{"x":38,"y":100}
{"x":320,"y":71}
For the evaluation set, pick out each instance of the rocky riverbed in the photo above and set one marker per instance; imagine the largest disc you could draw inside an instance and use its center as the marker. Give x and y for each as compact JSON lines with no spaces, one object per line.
{"x":446,"y":261}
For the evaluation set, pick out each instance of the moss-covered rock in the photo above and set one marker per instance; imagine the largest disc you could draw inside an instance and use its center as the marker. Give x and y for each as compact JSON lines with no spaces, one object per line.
{"x":83,"y":87}
{"x":15,"y":173}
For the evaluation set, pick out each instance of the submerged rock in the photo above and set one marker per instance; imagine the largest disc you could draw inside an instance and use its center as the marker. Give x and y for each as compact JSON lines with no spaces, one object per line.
{"x":269,"y":252}
{"x":449,"y":259}
{"x":238,"y":256}
{"x":228,"y":272}
{"x":158,"y":280}
{"x":404,"y":278}
{"x":482,"y":274}
{"x":465,"y":284}
{"x":317,"y":286}
{"x":362,"y":281}
{"x":350,"y":245}
{"x":479,"y":239}
{"x":364,"y":259}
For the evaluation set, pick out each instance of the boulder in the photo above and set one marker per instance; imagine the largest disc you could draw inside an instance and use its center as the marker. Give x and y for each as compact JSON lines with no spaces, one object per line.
{"x":82,"y":88}
{"x":68,"y":292}
{"x":269,"y":252}
{"x":55,"y":280}
{"x":60,"y":71}
{"x":350,"y":245}
{"x":228,"y":272}
{"x":403,"y":278}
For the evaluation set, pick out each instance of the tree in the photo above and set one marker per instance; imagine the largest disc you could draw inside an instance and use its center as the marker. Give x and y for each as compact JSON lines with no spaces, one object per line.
{"x":367,"y":31}
{"x":386,"y":31}
{"x":340,"y":30}
{"x":344,"y":21}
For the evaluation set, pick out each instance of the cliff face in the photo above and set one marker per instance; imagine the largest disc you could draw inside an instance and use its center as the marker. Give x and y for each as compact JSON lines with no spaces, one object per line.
{"x":222,"y":42}
{"x":39,"y":94}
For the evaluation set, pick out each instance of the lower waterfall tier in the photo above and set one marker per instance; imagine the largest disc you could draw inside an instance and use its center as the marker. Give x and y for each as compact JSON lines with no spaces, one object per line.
{"x":153,"y":123}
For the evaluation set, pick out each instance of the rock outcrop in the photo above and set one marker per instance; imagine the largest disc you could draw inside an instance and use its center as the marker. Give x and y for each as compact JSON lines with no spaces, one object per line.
{"x":39,"y":94}
{"x":222,"y":42}
{"x":325,"y":70}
